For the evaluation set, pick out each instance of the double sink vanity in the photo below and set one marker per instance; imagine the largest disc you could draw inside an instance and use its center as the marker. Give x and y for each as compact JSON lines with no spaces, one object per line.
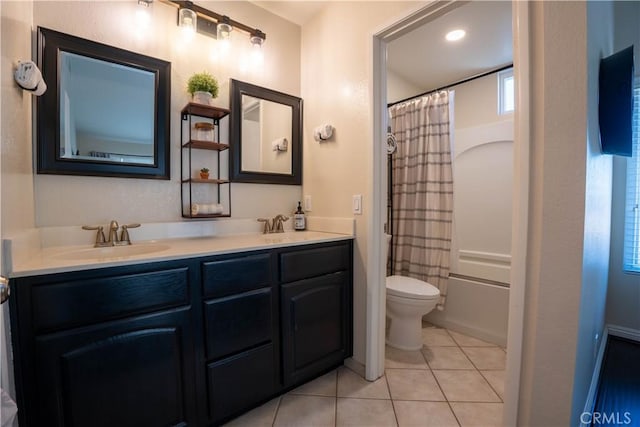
{"x":183,"y":331}
{"x":174,"y":329}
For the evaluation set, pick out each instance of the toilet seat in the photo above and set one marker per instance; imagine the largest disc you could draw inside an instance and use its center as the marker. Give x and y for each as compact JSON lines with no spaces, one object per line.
{"x":408,"y":287}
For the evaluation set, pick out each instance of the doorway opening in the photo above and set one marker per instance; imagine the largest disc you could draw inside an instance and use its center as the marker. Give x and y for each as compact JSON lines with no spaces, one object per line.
{"x":519,"y":205}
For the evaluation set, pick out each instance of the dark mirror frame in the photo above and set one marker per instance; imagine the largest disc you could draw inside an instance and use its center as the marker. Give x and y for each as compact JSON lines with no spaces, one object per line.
{"x":50,"y":43}
{"x":238,"y":89}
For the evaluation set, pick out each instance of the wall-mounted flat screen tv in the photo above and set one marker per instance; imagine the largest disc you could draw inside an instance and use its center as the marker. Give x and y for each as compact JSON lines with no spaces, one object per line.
{"x":615,"y":102}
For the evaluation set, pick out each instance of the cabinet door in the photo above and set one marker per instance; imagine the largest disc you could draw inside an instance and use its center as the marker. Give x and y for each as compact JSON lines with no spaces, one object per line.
{"x":131,"y":372}
{"x":314,"y":326}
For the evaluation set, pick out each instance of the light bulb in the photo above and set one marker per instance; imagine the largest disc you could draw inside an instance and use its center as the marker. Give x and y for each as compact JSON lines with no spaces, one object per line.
{"x":257,"y":55}
{"x":257,"y":39}
{"x":187,"y":21}
{"x":143,"y":18}
{"x":224,"y":28}
{"x":455,"y":35}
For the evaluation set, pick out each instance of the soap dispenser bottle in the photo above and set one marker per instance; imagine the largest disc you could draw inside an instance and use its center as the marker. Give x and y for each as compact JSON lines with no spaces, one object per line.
{"x":299,"y":220}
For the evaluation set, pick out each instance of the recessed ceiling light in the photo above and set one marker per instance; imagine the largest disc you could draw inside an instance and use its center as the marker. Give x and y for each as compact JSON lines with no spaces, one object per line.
{"x":455,"y":35}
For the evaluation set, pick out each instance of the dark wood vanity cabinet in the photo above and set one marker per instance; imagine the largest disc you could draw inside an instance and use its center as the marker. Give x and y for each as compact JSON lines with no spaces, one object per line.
{"x":241,"y":333}
{"x":316,"y":308}
{"x":105,"y":347}
{"x":178,"y":343}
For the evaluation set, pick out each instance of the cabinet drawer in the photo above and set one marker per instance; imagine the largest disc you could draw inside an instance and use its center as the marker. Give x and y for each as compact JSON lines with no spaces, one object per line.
{"x":306,"y":263}
{"x":235,"y":275}
{"x":238,"y":322}
{"x":239,"y":382}
{"x":74,"y":303}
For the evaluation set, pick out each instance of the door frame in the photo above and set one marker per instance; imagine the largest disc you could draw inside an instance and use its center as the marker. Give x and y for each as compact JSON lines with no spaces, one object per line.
{"x":376,"y":271}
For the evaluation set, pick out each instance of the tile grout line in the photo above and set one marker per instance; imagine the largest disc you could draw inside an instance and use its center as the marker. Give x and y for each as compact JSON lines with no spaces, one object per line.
{"x":491,"y":385}
{"x":480,"y":372}
{"x":440,"y":387}
{"x":275,"y":414}
{"x":393,"y":406}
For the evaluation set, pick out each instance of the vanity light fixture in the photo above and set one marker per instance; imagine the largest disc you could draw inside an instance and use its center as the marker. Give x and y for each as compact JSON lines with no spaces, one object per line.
{"x":145,"y":3}
{"x":455,"y":35}
{"x":213,"y":24}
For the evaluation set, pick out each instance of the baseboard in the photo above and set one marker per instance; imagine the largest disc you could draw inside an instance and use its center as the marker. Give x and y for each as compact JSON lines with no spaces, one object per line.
{"x":614,"y":330}
{"x":355,"y":366}
{"x":624,"y":332}
{"x":469,"y":330}
{"x":595,"y":377}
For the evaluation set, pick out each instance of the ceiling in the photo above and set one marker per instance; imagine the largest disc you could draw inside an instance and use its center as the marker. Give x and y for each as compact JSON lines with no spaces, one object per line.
{"x":423,"y":57}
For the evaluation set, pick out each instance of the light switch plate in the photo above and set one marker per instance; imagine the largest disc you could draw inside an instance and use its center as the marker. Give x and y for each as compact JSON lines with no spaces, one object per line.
{"x":307,"y":203}
{"x":357,"y":204}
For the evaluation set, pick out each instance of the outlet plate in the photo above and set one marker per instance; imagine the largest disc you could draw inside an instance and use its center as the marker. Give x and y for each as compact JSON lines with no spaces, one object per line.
{"x":307,"y":203}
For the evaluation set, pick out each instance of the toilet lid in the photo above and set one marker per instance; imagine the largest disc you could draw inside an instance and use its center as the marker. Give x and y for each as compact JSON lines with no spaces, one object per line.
{"x":408,"y":287}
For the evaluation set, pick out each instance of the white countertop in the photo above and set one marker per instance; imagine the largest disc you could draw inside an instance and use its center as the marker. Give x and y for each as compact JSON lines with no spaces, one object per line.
{"x":84,"y":257}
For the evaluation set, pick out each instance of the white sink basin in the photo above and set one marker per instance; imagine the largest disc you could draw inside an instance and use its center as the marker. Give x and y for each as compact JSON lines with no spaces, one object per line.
{"x":112,"y":252}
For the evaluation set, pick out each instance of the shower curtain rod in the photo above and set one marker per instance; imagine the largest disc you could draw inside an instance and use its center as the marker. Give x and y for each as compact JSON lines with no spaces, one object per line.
{"x":477,"y":76}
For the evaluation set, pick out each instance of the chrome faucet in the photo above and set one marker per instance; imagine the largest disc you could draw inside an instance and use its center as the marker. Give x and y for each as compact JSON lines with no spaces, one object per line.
{"x":113,"y":239}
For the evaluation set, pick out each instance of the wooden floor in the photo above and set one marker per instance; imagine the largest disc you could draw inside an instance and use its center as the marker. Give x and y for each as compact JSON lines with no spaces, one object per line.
{"x":618,"y":398}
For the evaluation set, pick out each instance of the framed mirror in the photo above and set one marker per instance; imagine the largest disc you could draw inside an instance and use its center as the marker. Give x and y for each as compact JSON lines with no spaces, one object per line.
{"x":265,"y":136}
{"x":105,"y":112}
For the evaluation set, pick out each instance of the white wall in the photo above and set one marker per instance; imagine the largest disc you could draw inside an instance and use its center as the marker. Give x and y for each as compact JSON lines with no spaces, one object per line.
{"x":69,"y":200}
{"x":15,"y":130}
{"x":597,"y":216}
{"x":336,"y":90}
{"x":398,"y":88}
{"x":476,"y":103}
{"x":623,"y":294}
{"x":17,"y":178}
{"x":565,"y":269}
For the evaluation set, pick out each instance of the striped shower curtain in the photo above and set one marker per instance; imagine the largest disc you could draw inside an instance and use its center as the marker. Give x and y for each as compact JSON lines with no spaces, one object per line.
{"x":422,"y":190}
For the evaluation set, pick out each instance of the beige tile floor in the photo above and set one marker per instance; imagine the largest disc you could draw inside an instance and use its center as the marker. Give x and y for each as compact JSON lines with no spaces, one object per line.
{"x":455,"y":380}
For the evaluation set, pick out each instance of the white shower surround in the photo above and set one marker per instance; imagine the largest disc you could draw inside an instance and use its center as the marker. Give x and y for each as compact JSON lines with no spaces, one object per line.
{"x":481,"y":241}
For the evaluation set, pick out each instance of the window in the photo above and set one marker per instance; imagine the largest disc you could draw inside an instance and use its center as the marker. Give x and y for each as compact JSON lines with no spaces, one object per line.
{"x":632,"y":204}
{"x":506,"y":92}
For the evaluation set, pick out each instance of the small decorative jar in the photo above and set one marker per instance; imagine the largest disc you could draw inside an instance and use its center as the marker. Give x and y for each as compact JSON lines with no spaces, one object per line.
{"x":201,"y":97}
{"x":204,"y":131}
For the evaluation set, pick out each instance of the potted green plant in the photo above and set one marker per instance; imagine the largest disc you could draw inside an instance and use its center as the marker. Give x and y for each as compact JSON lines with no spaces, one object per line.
{"x":204,"y":173}
{"x":203,"y":87}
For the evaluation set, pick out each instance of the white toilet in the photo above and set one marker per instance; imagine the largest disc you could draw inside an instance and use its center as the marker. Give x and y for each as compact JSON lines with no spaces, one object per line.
{"x":408,"y":299}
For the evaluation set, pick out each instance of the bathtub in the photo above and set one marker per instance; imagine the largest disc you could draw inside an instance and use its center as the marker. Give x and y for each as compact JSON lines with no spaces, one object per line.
{"x":475,"y":307}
